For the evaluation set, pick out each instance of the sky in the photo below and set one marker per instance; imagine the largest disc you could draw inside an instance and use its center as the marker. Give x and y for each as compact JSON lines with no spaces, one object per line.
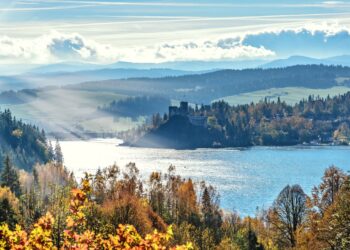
{"x":106,"y":31}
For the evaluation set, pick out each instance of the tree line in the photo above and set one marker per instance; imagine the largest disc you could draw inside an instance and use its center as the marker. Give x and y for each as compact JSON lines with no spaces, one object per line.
{"x":137,"y":106}
{"x":214,"y":85}
{"x":24,"y":143}
{"x":312,"y":120}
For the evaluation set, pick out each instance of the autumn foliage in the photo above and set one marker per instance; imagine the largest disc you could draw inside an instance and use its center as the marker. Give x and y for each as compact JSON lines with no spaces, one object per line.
{"x":77,"y":237}
{"x":117,"y":209}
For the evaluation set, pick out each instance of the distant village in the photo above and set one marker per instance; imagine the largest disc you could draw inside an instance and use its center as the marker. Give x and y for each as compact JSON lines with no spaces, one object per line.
{"x":184,"y":110}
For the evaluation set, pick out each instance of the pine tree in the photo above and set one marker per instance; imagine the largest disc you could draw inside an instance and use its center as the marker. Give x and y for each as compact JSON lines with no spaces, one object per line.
{"x":206,"y":207}
{"x":210,"y":210}
{"x":8,"y":207}
{"x":9,"y":177}
{"x":99,"y":186}
{"x":58,"y":153}
{"x":51,"y":153}
{"x":7,"y":214}
{"x":36,"y":178}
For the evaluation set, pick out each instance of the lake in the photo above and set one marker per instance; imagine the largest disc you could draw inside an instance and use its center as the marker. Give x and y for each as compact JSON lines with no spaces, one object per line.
{"x":245,"y":178}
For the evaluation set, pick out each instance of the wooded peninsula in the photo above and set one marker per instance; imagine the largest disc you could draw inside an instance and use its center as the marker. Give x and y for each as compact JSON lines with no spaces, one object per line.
{"x":312,"y":121}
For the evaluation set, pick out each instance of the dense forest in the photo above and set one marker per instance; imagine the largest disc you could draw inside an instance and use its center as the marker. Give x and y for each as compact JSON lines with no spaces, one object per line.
{"x":25,"y":144}
{"x":204,"y":88}
{"x":116,"y":209}
{"x":137,"y":106}
{"x":314,"y":120}
{"x":18,"y":97}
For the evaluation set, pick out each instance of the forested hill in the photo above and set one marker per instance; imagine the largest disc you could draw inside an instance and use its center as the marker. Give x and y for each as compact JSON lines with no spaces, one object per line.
{"x":25,"y":144}
{"x":203,"y":88}
{"x":137,"y":106}
{"x":315,"y":120}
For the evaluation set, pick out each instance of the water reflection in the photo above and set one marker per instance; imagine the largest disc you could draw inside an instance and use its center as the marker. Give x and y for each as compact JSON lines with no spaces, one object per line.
{"x":245,"y":178}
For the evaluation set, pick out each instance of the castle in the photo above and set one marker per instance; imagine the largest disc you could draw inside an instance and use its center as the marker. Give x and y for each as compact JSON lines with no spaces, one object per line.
{"x":183,"y":110}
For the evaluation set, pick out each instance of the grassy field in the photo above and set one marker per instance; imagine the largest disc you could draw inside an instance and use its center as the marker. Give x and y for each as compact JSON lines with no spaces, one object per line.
{"x":290,"y":95}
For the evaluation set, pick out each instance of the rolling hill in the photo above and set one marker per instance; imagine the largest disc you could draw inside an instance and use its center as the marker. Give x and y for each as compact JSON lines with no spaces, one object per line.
{"x":203,"y":88}
{"x":290,"y":95}
{"x":343,"y":60}
{"x":47,"y":107}
{"x":59,"y":78}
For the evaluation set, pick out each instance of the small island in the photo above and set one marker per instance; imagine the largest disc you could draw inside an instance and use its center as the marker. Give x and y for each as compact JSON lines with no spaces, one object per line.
{"x":312,"y":121}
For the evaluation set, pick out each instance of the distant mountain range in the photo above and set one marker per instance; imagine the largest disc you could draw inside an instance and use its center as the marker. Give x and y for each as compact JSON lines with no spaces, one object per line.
{"x":203,"y":88}
{"x":73,"y":73}
{"x":343,"y":60}
{"x":184,"y":85}
{"x":37,"y":80}
{"x":178,"y":66}
{"x":302,"y":60}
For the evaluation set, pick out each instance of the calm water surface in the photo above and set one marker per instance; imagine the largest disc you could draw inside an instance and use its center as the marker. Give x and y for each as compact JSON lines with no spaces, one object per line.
{"x":246,"y":179}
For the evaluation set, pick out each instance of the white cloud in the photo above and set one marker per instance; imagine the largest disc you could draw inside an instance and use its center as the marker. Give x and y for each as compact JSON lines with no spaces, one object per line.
{"x":54,"y":47}
{"x":196,"y":50}
{"x":312,"y":40}
{"x":333,"y":2}
{"x":57,"y":47}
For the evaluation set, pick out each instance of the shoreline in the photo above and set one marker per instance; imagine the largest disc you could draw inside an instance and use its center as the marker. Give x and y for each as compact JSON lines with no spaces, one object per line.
{"x":115,"y":140}
{"x":131,"y":145}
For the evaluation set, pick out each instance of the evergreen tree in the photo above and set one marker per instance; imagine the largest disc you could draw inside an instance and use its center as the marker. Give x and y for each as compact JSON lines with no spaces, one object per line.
{"x":9,"y":177}
{"x":51,"y":153}
{"x":58,"y":153}
{"x":206,"y":206}
{"x":36,"y":178}
{"x":253,"y":243}
{"x":156,"y":120}
{"x":99,"y":186}
{"x":210,"y":209}
{"x":7,"y":214}
{"x":8,"y":208}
